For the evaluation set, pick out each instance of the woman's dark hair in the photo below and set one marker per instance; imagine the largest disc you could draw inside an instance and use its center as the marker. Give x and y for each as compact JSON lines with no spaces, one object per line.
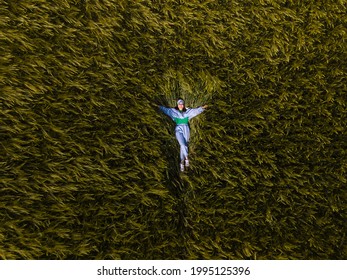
{"x":184,"y":109}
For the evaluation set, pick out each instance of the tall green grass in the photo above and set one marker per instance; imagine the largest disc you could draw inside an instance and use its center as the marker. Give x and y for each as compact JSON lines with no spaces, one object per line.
{"x":89,"y":165}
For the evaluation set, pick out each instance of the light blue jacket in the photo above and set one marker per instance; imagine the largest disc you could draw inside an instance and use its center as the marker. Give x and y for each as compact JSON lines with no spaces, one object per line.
{"x":180,"y":117}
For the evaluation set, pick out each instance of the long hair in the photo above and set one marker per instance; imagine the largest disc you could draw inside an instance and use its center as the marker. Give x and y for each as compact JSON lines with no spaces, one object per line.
{"x":184,"y":108}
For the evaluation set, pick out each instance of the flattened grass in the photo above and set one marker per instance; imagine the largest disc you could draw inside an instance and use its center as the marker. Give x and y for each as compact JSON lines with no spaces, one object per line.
{"x":89,"y":165}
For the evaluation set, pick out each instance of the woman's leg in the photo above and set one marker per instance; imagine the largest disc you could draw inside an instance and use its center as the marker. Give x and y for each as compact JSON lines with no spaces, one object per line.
{"x":186,"y":134}
{"x":183,"y":145}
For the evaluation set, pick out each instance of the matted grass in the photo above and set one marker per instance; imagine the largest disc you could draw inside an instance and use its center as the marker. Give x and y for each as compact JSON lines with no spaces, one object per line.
{"x":89,"y":166}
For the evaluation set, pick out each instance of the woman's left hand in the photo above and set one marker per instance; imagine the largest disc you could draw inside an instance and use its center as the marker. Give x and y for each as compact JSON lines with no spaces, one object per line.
{"x":205,"y":106}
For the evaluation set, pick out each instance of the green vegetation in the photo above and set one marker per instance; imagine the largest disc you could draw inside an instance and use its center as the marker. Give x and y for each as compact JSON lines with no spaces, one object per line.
{"x":89,"y":166}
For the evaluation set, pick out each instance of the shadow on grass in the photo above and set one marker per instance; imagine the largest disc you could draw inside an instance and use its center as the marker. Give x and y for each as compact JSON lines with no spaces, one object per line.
{"x":178,"y":188}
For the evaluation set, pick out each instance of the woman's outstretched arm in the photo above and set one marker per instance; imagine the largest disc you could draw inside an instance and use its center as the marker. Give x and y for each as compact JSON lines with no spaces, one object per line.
{"x":166,"y":111}
{"x":195,"y":111}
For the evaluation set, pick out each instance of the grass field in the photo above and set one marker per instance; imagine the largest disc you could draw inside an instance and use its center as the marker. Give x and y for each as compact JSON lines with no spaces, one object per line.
{"x":89,"y":165}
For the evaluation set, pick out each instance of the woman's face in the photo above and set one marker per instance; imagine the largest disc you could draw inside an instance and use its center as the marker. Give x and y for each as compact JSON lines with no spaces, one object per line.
{"x":180,"y":107}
